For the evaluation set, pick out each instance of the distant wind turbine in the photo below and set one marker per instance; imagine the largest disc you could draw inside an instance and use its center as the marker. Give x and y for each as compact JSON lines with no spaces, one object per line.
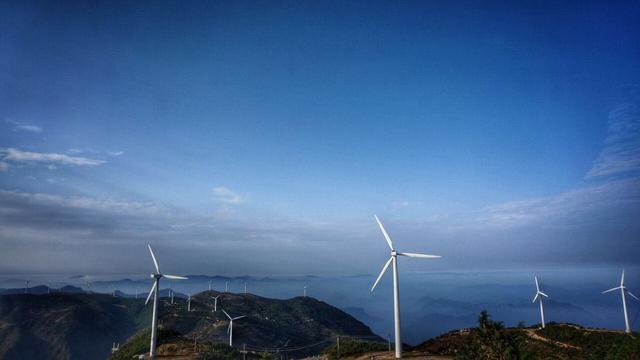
{"x":209,"y":285}
{"x":215,"y":303}
{"x":396,"y":292}
{"x":156,"y":276}
{"x":226,"y":286}
{"x":623,"y":290}
{"x":304,"y":291}
{"x":189,"y":303}
{"x":538,"y":293}
{"x":230,"y":328}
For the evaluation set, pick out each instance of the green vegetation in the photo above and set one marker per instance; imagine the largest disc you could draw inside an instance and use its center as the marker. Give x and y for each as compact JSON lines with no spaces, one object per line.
{"x":353,"y":347}
{"x":139,"y":344}
{"x":220,"y":352}
{"x":594,"y":344}
{"x":491,"y":341}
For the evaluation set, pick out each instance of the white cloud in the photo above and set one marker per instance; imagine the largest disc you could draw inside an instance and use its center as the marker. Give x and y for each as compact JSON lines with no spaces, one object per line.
{"x":85,"y":203}
{"x":399,"y":204}
{"x":4,"y":166}
{"x":31,"y":128}
{"x":115,"y":153}
{"x":226,"y":195}
{"x":18,"y":126}
{"x":15,"y":155}
{"x":621,"y":153}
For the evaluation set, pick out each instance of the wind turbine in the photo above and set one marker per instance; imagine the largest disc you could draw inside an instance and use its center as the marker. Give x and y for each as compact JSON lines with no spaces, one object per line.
{"x":538,"y":293}
{"x":156,"y":276}
{"x":209,"y":285}
{"x":396,"y":293}
{"x":189,"y":303}
{"x":226,"y":286}
{"x":305,"y":291}
{"x":215,"y":303}
{"x":623,"y":290}
{"x":230,"y":328}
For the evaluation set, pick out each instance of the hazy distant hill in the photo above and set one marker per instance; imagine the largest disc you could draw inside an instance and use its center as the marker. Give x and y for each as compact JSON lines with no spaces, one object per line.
{"x":84,"y":326}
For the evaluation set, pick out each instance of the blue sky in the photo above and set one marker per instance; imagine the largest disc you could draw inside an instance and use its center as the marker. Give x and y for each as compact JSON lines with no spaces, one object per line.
{"x":269,"y":128}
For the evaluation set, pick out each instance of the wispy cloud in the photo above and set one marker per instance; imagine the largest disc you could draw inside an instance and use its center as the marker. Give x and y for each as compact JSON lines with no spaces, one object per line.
{"x":621,"y":153}
{"x":85,"y":203}
{"x":17,"y":156}
{"x":115,"y":153}
{"x":18,"y":126}
{"x":226,"y":195}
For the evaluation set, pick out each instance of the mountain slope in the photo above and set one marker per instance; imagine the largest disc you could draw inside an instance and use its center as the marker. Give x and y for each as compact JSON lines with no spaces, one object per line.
{"x":66,"y":326}
{"x":84,"y":326}
{"x":269,"y":323}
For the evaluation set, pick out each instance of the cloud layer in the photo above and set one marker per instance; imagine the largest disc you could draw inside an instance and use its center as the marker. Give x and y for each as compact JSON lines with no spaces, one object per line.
{"x":17,"y":156}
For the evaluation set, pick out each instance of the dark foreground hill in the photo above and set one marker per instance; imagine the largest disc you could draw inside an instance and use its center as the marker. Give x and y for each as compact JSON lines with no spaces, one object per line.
{"x":66,"y":326}
{"x":84,"y":326}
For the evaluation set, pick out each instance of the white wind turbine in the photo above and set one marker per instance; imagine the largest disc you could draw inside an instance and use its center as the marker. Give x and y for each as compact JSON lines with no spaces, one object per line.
{"x":538,"y":293}
{"x":230,"y":328}
{"x":189,"y":303}
{"x":396,"y":292}
{"x":156,"y":276}
{"x":623,"y":290}
{"x":215,"y":303}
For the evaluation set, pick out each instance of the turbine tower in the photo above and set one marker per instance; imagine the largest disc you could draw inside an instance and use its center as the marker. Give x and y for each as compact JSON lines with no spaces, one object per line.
{"x":189,"y":303}
{"x":623,"y":290}
{"x":215,"y":303}
{"x":156,"y":276}
{"x":538,"y":293}
{"x":230,"y":328}
{"x":396,"y":293}
{"x":209,"y":285}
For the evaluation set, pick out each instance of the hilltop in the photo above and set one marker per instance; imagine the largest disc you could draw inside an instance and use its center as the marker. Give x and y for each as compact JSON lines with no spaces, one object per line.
{"x":492,"y":341}
{"x":299,"y":326}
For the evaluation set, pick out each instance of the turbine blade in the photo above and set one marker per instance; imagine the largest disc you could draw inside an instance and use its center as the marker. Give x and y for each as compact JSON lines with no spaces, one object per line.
{"x":535,"y":298}
{"x":424,"y":256}
{"x":537,"y":287}
{"x":543,"y":294}
{"x":239,"y":317}
{"x":153,"y":288}
{"x":633,"y":296}
{"x":622,"y":279}
{"x":610,"y":290}
{"x":384,"y":269}
{"x":229,"y":327}
{"x":155,"y":262}
{"x":175,"y":277}
{"x":230,"y":318}
{"x":384,"y":232}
